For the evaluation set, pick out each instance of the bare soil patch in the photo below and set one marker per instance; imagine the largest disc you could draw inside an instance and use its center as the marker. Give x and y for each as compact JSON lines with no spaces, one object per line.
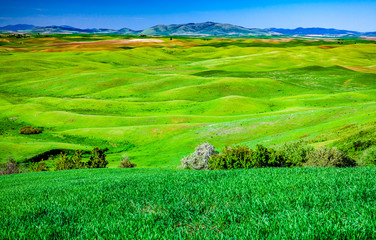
{"x":273,"y":40}
{"x":327,"y":47}
{"x":360,"y":69}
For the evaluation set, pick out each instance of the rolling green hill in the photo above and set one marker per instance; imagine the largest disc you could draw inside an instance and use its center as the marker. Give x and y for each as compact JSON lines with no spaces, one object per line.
{"x":164,"y":98}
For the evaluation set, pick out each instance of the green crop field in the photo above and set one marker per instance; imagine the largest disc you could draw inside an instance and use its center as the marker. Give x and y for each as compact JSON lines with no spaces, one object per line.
{"x":274,"y":203}
{"x":156,"y":101}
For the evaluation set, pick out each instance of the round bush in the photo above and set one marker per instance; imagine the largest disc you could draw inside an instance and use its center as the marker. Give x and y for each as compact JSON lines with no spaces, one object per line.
{"x":199,"y":159}
{"x":126,"y":162}
{"x":369,"y":156}
{"x":30,"y":130}
{"x":294,"y":154}
{"x":329,"y":157}
{"x":232,"y":158}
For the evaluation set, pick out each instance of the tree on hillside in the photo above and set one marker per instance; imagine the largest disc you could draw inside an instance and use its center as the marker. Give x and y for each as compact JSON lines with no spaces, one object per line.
{"x":97,"y":159}
{"x":66,"y":163}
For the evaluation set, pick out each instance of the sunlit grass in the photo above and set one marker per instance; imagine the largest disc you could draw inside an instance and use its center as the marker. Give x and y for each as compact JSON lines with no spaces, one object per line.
{"x":301,"y":203}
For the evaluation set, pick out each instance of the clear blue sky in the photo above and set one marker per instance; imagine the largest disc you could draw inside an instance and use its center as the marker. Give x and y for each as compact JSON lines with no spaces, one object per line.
{"x":141,"y":14}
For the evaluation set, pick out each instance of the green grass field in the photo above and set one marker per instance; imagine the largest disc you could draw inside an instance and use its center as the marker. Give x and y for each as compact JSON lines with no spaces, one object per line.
{"x":274,"y":203}
{"x":164,"y":99}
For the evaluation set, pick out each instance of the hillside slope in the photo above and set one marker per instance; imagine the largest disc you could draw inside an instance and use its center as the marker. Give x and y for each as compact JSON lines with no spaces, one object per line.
{"x":156,"y":101}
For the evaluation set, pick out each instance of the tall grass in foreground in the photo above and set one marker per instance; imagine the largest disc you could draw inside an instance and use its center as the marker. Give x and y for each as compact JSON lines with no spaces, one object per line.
{"x":296,"y":203}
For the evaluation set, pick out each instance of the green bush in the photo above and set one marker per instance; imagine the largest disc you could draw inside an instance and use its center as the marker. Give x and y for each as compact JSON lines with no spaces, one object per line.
{"x":294,"y":154}
{"x":266,"y":157}
{"x":11,"y":167}
{"x":126,"y":163}
{"x":66,"y":163}
{"x":369,"y":157}
{"x":355,"y":144}
{"x":232,"y":158}
{"x":329,"y":157}
{"x":97,"y":159}
{"x":30,"y":130}
{"x":244,"y":157}
{"x":39,"y":167}
{"x":62,"y":162}
{"x":360,"y":145}
{"x":76,"y":160}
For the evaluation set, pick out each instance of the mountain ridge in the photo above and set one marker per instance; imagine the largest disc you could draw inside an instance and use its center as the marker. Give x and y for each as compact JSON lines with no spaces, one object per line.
{"x":188,"y":29}
{"x":314,"y":31}
{"x":17,"y":27}
{"x":205,"y":29}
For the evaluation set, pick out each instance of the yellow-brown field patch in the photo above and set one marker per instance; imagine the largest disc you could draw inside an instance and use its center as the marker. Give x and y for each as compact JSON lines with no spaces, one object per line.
{"x":361,"y":69}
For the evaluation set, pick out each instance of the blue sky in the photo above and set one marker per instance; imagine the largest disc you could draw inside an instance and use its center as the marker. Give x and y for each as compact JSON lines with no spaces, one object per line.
{"x":141,"y":14}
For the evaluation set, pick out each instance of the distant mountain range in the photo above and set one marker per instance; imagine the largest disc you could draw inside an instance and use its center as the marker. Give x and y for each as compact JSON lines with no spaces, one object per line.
{"x":204,"y":29}
{"x":314,"y":31}
{"x":17,"y":27}
{"x":69,"y":29}
{"x":189,"y":29}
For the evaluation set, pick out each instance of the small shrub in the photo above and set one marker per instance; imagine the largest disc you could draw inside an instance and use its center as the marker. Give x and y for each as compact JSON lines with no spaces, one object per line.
{"x":362,"y":144}
{"x":76,"y":160}
{"x":39,"y":167}
{"x":369,"y":157}
{"x":244,"y":157}
{"x":66,"y":163}
{"x":30,"y":130}
{"x":97,"y":159}
{"x":266,"y":157}
{"x":62,"y":162}
{"x":294,"y":154}
{"x":199,"y":159}
{"x":329,"y":157}
{"x":126,"y":162}
{"x":355,"y":144}
{"x":11,"y":167}
{"x":232,"y":158}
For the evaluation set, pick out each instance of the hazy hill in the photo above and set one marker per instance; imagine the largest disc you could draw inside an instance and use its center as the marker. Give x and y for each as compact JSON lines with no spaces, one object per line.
{"x":17,"y":27}
{"x":58,"y":29}
{"x":69,"y":29}
{"x":314,"y":31}
{"x":206,"y":28}
{"x":128,"y":31}
{"x":370,"y":34}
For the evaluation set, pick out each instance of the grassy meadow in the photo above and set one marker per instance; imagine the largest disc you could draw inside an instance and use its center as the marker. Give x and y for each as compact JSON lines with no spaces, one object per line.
{"x":156,"y":101}
{"x":268,"y":203}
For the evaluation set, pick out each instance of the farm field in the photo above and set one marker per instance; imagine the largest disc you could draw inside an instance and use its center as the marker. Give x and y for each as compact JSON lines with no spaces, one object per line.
{"x":269,"y":203}
{"x":157,"y":99}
